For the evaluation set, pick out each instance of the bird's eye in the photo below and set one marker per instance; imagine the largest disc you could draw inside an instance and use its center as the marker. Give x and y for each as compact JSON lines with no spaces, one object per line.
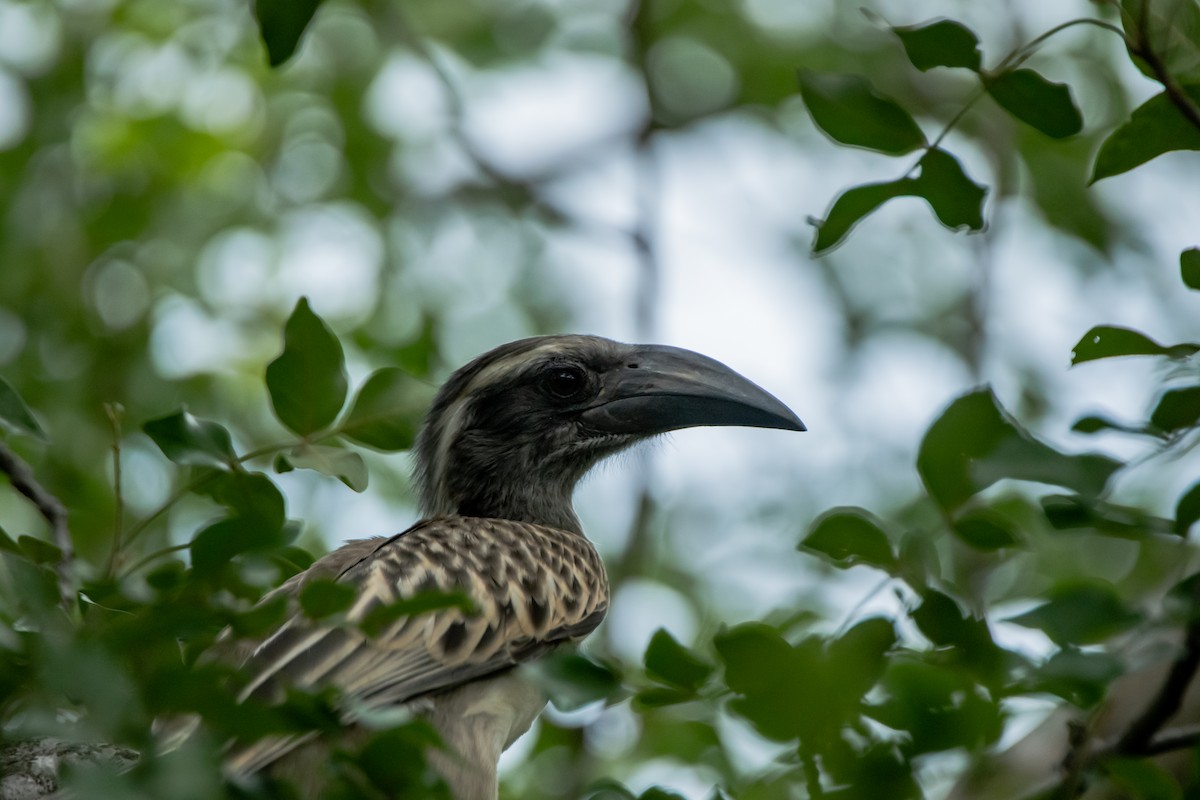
{"x":564,"y":383}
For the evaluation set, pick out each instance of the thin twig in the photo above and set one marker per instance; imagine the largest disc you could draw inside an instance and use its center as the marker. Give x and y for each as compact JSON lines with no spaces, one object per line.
{"x":454,"y":102}
{"x":509,"y":185}
{"x":114,"y":412}
{"x":52,"y":509}
{"x":1010,"y":62}
{"x":1023,"y":53}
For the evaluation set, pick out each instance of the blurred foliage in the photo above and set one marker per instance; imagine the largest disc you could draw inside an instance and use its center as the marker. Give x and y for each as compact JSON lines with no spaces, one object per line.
{"x":168,"y":199}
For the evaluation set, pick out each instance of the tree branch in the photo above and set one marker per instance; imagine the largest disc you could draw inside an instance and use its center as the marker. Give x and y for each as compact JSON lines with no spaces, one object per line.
{"x":1166,"y":703}
{"x":1140,"y":47}
{"x":51,"y":508}
{"x":1144,"y":736}
{"x":30,"y":769}
{"x":1173,"y":739}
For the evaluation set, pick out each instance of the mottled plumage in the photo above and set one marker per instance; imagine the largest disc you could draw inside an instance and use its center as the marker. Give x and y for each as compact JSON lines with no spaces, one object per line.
{"x":506,"y":440}
{"x":532,"y":587}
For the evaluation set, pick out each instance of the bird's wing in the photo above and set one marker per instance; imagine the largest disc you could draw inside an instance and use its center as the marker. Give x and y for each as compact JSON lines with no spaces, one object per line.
{"x":532,"y":587}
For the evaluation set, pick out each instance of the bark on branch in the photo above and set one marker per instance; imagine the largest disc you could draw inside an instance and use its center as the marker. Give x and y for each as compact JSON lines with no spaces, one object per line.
{"x":51,"y":508}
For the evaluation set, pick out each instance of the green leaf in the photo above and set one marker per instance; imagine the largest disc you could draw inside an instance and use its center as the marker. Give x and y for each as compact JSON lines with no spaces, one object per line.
{"x":249,"y":495}
{"x":1076,"y":676}
{"x":336,"y":462}
{"x":608,"y":789}
{"x":685,"y":740}
{"x":849,"y":110}
{"x":1189,"y":267}
{"x":1109,"y":341}
{"x":975,"y":443}
{"x":15,"y":414}
{"x":969,"y":640}
{"x":762,"y":667}
{"x":292,"y":559}
{"x":189,"y":440}
{"x":1155,"y":127}
{"x":670,"y":662}
{"x":661,"y":696}
{"x":872,"y":770}
{"x":853,"y":205}
{"x":748,"y":652}
{"x":255,"y":523}
{"x":847,"y":536}
{"x":307,"y":382}
{"x":39,"y":551}
{"x":167,"y":576}
{"x":1188,"y":510}
{"x":35,"y":586}
{"x":1072,"y":513}
{"x":943,"y":43}
{"x":858,"y":658}
{"x":323,"y":598}
{"x":1080,"y":612}
{"x":1095,"y":423}
{"x":7,"y":544}
{"x":809,"y":690}
{"x":1142,"y":779}
{"x":387,"y":411}
{"x":281,"y":23}
{"x":939,"y":708}
{"x":985,"y":530}
{"x":1177,"y":409}
{"x":658,"y":793}
{"x":1043,"y":104}
{"x":1058,"y":183}
{"x":573,"y":681}
{"x":955,"y":199}
{"x":221,"y":541}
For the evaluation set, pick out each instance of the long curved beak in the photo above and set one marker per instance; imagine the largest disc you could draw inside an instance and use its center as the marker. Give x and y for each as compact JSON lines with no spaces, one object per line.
{"x":661,"y":388}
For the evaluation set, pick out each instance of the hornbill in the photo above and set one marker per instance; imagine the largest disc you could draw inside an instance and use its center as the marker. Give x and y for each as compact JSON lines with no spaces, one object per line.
{"x":499,"y":454}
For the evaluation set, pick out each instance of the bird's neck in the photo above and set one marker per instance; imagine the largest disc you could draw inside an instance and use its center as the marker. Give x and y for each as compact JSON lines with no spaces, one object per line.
{"x":523,"y":496}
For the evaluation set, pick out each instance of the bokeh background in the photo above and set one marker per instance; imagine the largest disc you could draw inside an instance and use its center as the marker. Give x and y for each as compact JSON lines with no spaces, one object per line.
{"x":441,"y":176}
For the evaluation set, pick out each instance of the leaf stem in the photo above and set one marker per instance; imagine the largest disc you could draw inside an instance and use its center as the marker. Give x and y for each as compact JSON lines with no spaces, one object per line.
{"x":157,"y":554}
{"x":1014,"y":59}
{"x":142,"y":525}
{"x":1023,"y":53}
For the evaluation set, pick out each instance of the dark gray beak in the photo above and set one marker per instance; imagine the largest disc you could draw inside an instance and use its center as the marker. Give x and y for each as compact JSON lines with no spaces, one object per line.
{"x":660,"y":389}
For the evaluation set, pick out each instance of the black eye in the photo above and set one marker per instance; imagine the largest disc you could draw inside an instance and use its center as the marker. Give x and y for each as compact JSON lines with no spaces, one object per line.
{"x":564,"y":383}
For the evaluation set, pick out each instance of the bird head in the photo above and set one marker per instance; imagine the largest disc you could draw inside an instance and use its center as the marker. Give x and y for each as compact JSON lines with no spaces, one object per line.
{"x":511,"y":433}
